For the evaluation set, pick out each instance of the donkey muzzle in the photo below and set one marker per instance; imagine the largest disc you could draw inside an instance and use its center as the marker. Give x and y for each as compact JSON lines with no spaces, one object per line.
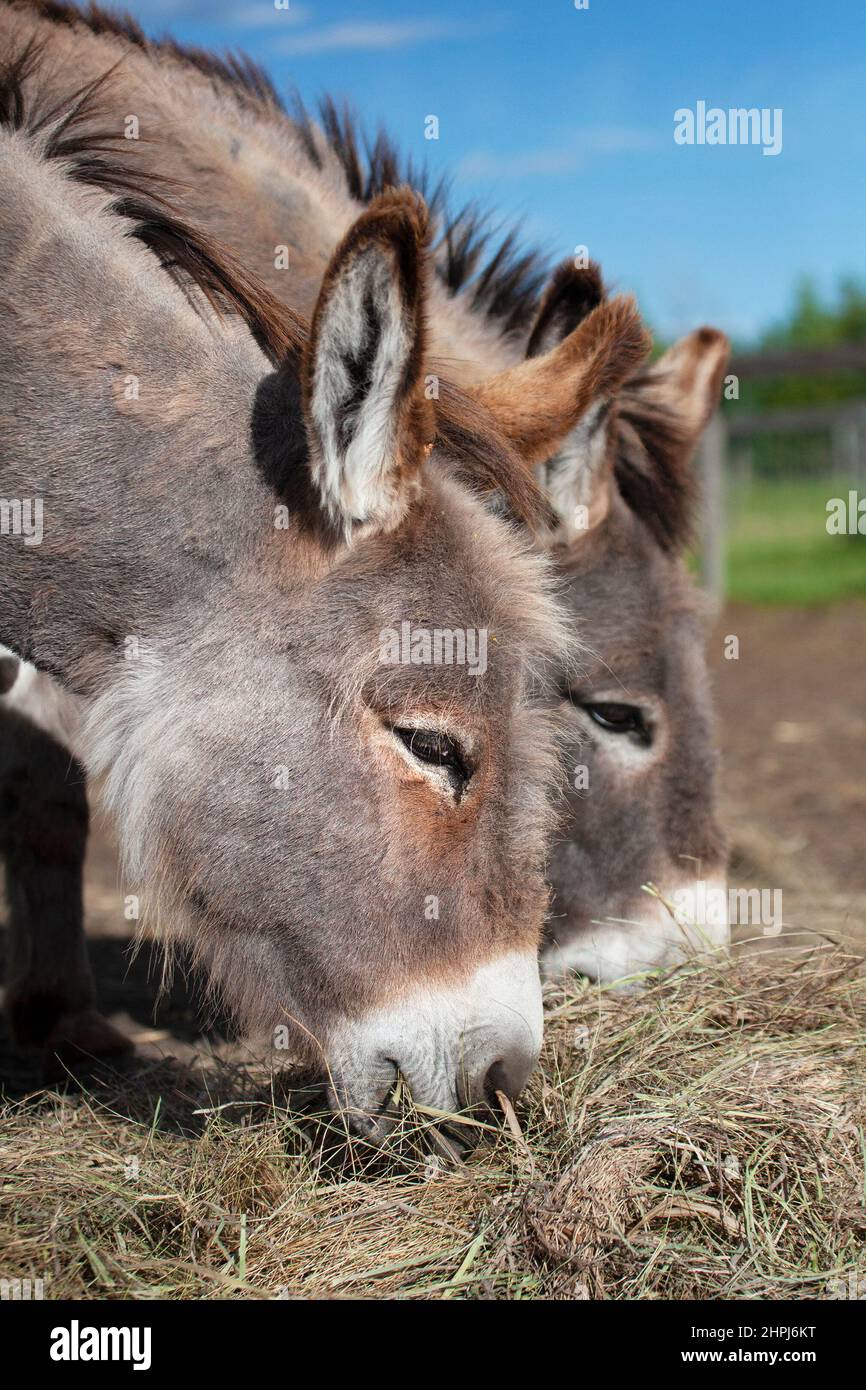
{"x":454,"y":1046}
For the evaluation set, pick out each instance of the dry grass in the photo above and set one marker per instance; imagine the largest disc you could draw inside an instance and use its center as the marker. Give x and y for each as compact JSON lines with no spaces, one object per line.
{"x":704,"y":1138}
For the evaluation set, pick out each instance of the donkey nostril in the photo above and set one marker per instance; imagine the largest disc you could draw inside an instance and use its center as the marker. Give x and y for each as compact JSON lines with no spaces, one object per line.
{"x":364,"y":1104}
{"x":501,"y":1078}
{"x":508,"y":1074}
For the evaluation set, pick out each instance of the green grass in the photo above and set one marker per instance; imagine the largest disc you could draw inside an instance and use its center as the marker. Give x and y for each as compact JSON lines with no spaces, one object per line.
{"x":779,"y":550}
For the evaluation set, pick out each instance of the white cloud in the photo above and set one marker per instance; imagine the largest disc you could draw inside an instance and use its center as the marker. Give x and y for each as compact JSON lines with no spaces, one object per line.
{"x":573,"y":154}
{"x":375,"y":34}
{"x":260,"y":14}
{"x":620,"y":140}
{"x":240,"y":14}
{"x":481,"y":164}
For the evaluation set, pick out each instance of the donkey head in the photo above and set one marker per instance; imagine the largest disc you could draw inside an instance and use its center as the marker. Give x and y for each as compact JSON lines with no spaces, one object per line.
{"x":642,"y":797}
{"x":340,"y":762}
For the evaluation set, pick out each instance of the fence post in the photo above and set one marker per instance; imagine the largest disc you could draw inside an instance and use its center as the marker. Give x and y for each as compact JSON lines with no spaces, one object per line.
{"x":845,"y":448}
{"x":711,"y":459}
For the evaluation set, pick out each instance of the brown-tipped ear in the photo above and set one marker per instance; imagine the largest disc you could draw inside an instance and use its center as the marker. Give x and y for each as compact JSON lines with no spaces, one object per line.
{"x":539,"y":402}
{"x":368,"y":422}
{"x":577,"y":478}
{"x":687,"y":379}
{"x":573,"y":292}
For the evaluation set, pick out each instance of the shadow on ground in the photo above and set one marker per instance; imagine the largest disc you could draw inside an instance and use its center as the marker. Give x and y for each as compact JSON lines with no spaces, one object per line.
{"x":130,"y":990}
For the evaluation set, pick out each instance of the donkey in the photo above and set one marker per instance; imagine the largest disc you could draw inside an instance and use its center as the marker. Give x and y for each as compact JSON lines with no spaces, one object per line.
{"x":236,"y":508}
{"x":642,"y":827}
{"x":261,"y":179}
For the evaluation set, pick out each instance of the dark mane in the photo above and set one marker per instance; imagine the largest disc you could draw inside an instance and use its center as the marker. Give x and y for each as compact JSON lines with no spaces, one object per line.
{"x":95,"y":157}
{"x":652,"y":467}
{"x":498,"y":281}
{"x":235,"y":70}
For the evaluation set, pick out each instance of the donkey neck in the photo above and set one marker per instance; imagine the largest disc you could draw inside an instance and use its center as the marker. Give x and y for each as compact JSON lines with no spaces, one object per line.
{"x":127,"y":418}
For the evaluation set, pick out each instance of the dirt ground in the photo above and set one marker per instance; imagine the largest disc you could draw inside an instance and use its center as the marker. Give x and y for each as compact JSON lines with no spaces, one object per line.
{"x":792,"y":712}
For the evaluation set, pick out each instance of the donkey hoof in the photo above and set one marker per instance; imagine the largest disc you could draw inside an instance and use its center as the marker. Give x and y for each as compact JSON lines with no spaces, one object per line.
{"x":86,"y":1033}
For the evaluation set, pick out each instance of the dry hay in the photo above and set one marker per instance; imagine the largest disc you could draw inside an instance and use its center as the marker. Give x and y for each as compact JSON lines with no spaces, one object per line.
{"x":704,"y":1138}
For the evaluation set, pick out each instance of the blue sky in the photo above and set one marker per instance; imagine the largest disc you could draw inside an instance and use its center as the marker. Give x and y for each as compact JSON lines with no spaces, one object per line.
{"x":564,"y":119}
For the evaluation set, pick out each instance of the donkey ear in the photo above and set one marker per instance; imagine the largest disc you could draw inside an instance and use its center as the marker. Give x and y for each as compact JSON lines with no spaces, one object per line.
{"x":573,"y":292}
{"x":368,"y":423}
{"x":577,"y":477}
{"x":540,"y":401}
{"x":686,"y":380}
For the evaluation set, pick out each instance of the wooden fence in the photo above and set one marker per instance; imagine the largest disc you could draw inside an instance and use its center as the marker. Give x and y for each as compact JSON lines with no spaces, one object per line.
{"x":844,"y":422}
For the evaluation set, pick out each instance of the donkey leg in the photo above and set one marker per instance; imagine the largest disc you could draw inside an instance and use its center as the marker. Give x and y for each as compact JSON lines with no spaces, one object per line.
{"x":43,"y":836}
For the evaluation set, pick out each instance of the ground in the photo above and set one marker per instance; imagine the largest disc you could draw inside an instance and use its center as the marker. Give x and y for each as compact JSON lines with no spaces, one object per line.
{"x":792,"y":708}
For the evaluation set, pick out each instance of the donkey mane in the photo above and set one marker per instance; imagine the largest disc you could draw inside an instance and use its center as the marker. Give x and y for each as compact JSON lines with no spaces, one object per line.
{"x":91,"y":156}
{"x":250,"y":82}
{"x":504,"y":288}
{"x":502,"y":282}
{"x":654,"y":481}
{"x":653,"y":466}
{"x":465,"y":431}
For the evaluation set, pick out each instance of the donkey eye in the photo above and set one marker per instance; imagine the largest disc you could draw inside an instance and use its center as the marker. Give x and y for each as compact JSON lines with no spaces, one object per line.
{"x":620,"y":719}
{"x":437,"y":750}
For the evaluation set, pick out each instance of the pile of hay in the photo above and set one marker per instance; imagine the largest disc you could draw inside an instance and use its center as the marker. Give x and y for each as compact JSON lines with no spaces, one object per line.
{"x":703,"y":1139}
